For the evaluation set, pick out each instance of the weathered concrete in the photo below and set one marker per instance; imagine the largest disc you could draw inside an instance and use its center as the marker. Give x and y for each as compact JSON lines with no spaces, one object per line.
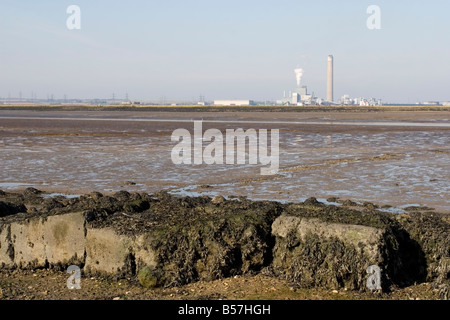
{"x":38,"y":242}
{"x":312,"y":252}
{"x":65,"y":239}
{"x":6,"y":247}
{"x":110,"y":253}
{"x":165,"y":240}
{"x":367,"y":238}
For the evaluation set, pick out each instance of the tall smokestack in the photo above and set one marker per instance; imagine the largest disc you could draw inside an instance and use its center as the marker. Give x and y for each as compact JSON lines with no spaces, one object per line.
{"x":330,"y":79}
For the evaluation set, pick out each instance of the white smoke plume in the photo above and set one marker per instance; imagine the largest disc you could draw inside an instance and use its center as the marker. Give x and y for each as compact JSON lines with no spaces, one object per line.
{"x":298,"y":75}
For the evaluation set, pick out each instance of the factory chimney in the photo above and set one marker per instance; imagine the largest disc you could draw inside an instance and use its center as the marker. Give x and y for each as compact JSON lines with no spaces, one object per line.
{"x":330,"y":79}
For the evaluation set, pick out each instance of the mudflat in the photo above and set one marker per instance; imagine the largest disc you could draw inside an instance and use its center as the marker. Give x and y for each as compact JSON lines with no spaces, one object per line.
{"x":385,"y":164}
{"x":396,"y":158}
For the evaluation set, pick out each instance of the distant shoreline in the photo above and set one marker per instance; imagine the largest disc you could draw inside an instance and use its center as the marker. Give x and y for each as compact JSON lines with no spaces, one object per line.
{"x":194,"y":108}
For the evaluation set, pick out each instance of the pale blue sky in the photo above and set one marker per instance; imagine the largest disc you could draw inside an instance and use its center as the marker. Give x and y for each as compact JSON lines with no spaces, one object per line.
{"x":224,"y":49}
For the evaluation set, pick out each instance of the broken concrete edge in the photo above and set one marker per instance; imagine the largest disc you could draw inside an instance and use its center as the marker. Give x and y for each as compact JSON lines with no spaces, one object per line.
{"x":311,"y":253}
{"x":39,"y":242}
{"x":50,"y":241}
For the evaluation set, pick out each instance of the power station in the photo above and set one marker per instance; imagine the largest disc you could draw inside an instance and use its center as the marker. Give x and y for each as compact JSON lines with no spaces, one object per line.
{"x":300,"y":96}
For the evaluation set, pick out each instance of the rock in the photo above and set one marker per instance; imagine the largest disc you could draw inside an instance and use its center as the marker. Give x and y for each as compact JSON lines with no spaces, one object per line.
{"x":330,"y":252}
{"x":2,"y":193}
{"x":370,"y":205}
{"x":147,"y":278}
{"x":168,"y":241}
{"x":31,"y":192}
{"x":312,"y":202}
{"x":32,"y":210}
{"x":130,"y":183}
{"x":96,"y":195}
{"x":51,"y":204}
{"x":136,"y":206}
{"x":108,"y":204}
{"x":444,"y":291}
{"x":430,"y":232}
{"x":419,"y":208}
{"x":7,"y":208}
{"x":348,"y":203}
{"x":218,"y":200}
{"x":122,"y":195}
{"x":228,"y":241}
{"x":95,"y":215}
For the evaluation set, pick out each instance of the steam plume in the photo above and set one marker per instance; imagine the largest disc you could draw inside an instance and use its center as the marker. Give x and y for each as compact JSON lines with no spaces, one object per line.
{"x":298,"y":75}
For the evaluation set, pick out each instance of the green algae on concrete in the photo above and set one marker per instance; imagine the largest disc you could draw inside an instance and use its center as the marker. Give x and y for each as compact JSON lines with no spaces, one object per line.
{"x":186,"y":239}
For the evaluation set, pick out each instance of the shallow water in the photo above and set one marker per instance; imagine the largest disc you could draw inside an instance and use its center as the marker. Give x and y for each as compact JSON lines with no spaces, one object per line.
{"x":396,"y":167}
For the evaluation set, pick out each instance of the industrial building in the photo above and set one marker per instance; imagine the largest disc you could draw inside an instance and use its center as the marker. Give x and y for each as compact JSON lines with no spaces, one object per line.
{"x":299,"y":97}
{"x":234,"y":103}
{"x":346,"y":100}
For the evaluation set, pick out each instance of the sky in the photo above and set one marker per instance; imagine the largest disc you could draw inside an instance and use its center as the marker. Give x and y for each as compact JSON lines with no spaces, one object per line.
{"x":247,"y":49}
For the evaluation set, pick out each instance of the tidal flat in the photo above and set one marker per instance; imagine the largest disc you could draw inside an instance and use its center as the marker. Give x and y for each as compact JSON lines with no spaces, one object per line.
{"x":381,"y":180}
{"x":397,"y":159}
